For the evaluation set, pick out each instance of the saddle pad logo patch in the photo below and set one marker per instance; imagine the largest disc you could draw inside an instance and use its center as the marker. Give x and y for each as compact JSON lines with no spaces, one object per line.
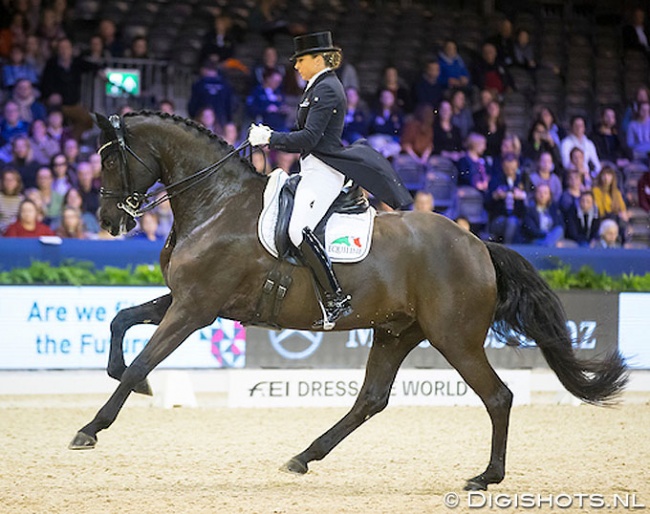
{"x":346,"y":245}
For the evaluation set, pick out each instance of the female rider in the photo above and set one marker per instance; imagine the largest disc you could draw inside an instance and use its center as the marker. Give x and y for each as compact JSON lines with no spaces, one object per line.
{"x":325,"y":164}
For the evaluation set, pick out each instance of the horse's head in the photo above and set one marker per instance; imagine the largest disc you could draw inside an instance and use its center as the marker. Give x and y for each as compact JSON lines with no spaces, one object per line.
{"x":125,"y":176}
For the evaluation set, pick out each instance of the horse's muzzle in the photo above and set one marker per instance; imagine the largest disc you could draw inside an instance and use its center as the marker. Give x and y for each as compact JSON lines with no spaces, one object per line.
{"x":125,"y":225}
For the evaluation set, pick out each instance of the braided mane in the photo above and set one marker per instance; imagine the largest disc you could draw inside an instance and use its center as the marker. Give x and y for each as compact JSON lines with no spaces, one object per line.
{"x":201,"y":129}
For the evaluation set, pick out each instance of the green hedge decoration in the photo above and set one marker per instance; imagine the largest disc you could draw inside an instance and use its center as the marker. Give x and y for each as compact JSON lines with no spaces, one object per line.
{"x":79,"y":273}
{"x":83,"y":273}
{"x":586,"y":278}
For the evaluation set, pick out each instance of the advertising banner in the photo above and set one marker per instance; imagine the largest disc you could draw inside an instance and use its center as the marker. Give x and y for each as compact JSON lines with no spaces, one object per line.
{"x":634,"y":337}
{"x":52,"y":327}
{"x":69,"y":328}
{"x":339,"y":388}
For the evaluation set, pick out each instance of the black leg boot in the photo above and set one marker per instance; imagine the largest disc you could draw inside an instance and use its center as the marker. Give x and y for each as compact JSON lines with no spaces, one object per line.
{"x":337,"y":303}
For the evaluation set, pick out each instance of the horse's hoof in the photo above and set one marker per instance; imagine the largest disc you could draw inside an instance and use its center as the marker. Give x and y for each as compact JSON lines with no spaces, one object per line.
{"x":143,"y":388}
{"x":82,"y":441}
{"x":294,"y":466}
{"x":478,"y":483}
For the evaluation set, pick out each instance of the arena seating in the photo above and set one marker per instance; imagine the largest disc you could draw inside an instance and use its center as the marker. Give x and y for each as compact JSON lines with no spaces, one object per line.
{"x":582,"y":59}
{"x":582,"y":64}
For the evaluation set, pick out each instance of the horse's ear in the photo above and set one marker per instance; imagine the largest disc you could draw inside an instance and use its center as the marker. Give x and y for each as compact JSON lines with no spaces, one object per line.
{"x":103,"y":123}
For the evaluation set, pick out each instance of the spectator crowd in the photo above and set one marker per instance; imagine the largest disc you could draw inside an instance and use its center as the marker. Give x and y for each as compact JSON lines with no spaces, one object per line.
{"x":444,"y":130}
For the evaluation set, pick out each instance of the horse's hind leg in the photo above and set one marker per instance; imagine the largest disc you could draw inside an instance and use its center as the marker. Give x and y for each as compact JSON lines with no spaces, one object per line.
{"x":150,"y":312}
{"x":473,"y":366}
{"x":386,"y":356}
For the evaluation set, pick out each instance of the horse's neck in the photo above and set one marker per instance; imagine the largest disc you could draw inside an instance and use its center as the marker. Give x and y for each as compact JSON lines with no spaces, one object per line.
{"x":229,"y":187}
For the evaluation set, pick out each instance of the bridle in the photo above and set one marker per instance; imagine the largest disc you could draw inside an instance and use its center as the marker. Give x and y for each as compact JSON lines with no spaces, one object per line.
{"x":130,"y":200}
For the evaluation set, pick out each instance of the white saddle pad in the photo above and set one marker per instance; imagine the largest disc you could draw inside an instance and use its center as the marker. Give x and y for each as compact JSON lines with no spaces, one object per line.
{"x":347,"y":236}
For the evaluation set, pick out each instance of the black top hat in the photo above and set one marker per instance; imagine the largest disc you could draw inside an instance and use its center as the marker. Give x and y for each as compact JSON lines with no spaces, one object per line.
{"x":312,"y":44}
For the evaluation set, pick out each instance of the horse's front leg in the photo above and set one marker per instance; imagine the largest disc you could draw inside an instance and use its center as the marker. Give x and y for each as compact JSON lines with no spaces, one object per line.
{"x":150,"y":312}
{"x":385,"y":358}
{"x":177,"y":324}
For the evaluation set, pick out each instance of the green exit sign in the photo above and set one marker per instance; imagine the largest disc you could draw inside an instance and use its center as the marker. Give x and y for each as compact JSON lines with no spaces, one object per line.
{"x":122,"y":82}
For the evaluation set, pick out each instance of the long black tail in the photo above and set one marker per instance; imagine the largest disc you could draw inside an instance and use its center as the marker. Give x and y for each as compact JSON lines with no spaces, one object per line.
{"x":527,"y":306}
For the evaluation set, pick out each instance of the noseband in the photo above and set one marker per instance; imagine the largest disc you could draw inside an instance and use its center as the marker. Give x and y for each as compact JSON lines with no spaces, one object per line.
{"x":130,"y":200}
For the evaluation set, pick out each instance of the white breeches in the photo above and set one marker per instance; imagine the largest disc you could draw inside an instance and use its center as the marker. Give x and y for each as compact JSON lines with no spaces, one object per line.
{"x":318,"y":188}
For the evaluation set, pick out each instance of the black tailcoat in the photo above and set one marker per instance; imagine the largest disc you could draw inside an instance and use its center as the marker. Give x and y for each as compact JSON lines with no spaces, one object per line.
{"x":320,"y":120}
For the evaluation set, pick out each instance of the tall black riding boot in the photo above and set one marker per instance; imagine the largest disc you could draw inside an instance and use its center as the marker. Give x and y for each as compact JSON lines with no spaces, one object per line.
{"x":337,"y":303}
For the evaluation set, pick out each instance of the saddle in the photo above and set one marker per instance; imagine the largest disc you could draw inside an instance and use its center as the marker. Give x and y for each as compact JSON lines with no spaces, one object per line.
{"x":351,"y":200}
{"x":345,"y":231}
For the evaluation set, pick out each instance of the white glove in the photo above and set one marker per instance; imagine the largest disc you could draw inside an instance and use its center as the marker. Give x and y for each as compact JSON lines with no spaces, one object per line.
{"x":259,"y":135}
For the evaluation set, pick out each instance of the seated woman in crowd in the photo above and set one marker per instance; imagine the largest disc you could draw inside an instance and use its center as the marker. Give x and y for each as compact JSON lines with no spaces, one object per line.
{"x":472,"y":168}
{"x":540,"y":141}
{"x":548,"y":118}
{"x":44,"y":147}
{"x":543,"y":224}
{"x":423,"y":201}
{"x":206,"y":117}
{"x":64,"y":176}
{"x":148,"y":225}
{"x":392,"y":82}
{"x":524,"y":52}
{"x":461,"y":114}
{"x":71,"y":226}
{"x":231,"y":134}
{"x":74,"y":199}
{"x":22,"y":160}
{"x":579,"y":164}
{"x":417,"y":136}
{"x":608,"y":235}
{"x":72,"y":152}
{"x":608,"y":198}
{"x":544,"y":175}
{"x":493,"y":127}
{"x":11,"y":195}
{"x":356,"y":118}
{"x":638,"y":133}
{"x":447,"y":140}
{"x":511,"y":144}
{"x":386,"y":126}
{"x":52,"y":201}
{"x":28,"y":224}
{"x":571,"y":194}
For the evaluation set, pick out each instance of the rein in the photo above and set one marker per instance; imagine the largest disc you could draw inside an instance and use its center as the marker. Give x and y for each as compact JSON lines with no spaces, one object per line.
{"x":133,"y":201}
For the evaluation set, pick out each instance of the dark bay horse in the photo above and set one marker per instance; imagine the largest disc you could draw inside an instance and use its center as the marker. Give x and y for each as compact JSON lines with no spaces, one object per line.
{"x":425,"y":278}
